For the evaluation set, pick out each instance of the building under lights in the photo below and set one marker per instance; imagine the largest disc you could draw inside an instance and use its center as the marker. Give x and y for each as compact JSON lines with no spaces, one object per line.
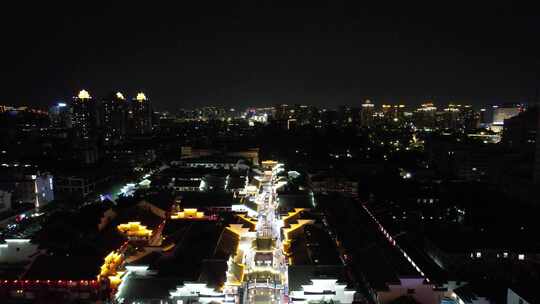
{"x":27,"y":185}
{"x":60,"y":115}
{"x":503,"y":112}
{"x":366,"y":114}
{"x":115,"y":115}
{"x":393,"y":112}
{"x":140,"y":115}
{"x":425,"y":116}
{"x":85,"y":115}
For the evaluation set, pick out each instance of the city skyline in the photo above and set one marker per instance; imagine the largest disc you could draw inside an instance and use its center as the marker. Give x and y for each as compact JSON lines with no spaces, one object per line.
{"x":379,"y":104}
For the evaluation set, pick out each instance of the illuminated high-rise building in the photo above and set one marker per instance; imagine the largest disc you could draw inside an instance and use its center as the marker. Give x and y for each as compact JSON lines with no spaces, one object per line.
{"x":366,"y":113}
{"x":349,"y":116}
{"x":449,"y":117}
{"x":283,"y":112}
{"x":457,"y":116}
{"x":485,"y":118}
{"x":60,"y":115}
{"x":425,"y":116}
{"x":393,"y":113}
{"x":470,"y":119}
{"x":536,"y":173}
{"x":85,"y":117}
{"x":140,"y":115}
{"x":115,"y":115}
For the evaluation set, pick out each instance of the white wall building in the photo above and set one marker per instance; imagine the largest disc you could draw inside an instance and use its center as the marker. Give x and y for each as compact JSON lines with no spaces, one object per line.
{"x":17,"y":251}
{"x":197,"y":293}
{"x":514,"y":298}
{"x":322,"y":290}
{"x":44,"y":190}
{"x":415,"y":287}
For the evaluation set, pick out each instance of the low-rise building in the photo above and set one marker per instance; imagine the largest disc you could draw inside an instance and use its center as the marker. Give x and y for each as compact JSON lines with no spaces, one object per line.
{"x":29,"y":185}
{"x":5,"y":200}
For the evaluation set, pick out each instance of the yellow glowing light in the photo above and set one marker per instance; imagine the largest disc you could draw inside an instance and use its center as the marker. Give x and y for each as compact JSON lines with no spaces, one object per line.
{"x":134,"y":229}
{"x":120,"y":96}
{"x":252,"y":222}
{"x":238,"y":229}
{"x":140,"y":97}
{"x":269,"y":164}
{"x":115,"y":280}
{"x":83,"y":94}
{"x":292,"y":214}
{"x":111,"y":263}
{"x":188,"y":213}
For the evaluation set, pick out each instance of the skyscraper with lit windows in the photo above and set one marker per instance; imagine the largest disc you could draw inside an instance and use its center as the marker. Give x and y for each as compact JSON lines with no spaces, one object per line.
{"x":366,"y":114}
{"x":115,"y":115}
{"x":85,"y":116}
{"x":425,"y":116}
{"x":60,"y":115}
{"x":140,"y":115}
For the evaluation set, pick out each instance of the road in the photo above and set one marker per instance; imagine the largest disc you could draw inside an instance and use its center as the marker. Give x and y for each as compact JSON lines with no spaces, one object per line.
{"x":266,"y":267}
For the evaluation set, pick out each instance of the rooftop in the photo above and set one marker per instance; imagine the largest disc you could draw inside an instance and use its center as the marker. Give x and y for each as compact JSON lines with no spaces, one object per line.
{"x":206,"y":199}
{"x":314,"y":247}
{"x":194,"y":242}
{"x":55,"y":267}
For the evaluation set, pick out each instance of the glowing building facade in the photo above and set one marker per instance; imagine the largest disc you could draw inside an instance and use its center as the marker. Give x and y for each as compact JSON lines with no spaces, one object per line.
{"x":85,"y":116}
{"x":115,"y":111}
{"x":366,"y":114}
{"x":140,"y":115}
{"x":60,"y":115}
{"x":502,"y":112}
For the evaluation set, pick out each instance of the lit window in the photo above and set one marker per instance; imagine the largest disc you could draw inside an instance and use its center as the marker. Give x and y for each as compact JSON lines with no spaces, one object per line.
{"x":521,"y":257}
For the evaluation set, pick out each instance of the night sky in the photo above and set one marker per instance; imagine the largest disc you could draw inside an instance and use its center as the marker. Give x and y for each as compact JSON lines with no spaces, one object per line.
{"x":262,"y":53}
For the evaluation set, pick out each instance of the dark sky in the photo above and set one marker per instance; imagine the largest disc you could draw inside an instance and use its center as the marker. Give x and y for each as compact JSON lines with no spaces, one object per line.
{"x":258,"y":53}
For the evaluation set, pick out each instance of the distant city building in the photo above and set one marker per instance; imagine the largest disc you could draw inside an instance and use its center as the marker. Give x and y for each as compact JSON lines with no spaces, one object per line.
{"x":485,"y":118}
{"x":393,"y":113}
{"x":349,"y":116}
{"x":449,"y":117}
{"x":329,"y":118}
{"x":140,"y":115}
{"x":60,"y":115}
{"x":425,"y":116}
{"x":502,"y":112}
{"x":519,"y":131}
{"x":457,"y":116}
{"x":470,"y":119}
{"x":366,"y":114}
{"x":259,"y":115}
{"x":214,"y":113}
{"x":283,"y":112}
{"x":115,"y":110}
{"x":537,"y":152}
{"x":467,"y":161}
{"x":85,"y":117}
